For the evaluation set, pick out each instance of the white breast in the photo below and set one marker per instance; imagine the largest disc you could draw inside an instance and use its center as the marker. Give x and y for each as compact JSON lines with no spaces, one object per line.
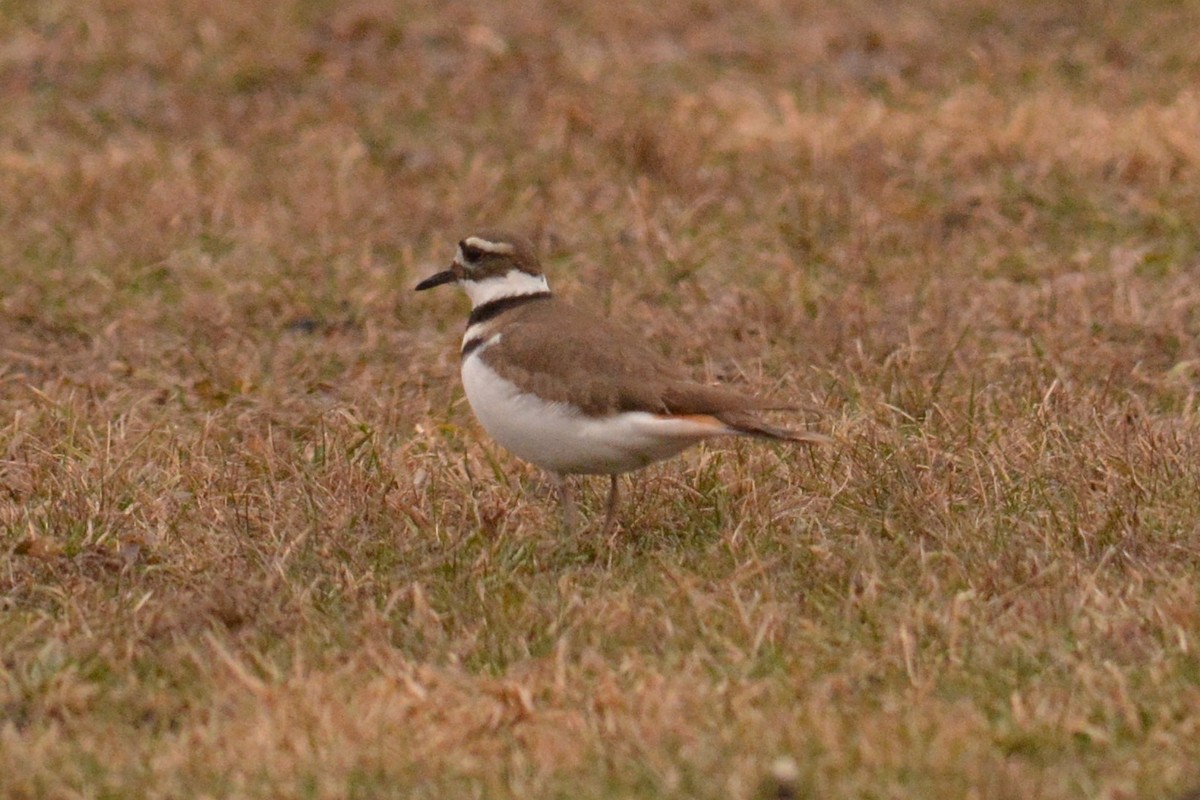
{"x":559,"y":438}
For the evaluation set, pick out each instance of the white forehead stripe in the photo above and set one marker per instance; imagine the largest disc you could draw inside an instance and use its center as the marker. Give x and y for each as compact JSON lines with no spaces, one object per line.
{"x":490,"y":247}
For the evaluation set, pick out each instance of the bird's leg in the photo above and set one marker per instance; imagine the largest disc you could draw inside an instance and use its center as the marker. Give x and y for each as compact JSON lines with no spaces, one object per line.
{"x":610,"y":513}
{"x":566,"y":499}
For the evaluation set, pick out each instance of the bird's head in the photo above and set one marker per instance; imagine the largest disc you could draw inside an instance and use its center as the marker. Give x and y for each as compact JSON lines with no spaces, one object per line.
{"x":490,"y":266}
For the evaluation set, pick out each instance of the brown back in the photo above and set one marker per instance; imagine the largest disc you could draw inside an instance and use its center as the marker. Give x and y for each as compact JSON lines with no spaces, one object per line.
{"x":566,"y":354}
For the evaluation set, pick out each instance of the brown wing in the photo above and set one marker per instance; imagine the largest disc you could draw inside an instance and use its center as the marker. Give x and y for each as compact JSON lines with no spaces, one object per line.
{"x":567,"y":354}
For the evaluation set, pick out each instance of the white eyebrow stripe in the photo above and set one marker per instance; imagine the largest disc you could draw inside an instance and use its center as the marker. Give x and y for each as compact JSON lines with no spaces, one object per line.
{"x":489,"y":247}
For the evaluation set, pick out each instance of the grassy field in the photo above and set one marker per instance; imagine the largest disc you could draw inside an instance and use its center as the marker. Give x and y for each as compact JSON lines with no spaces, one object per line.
{"x":254,"y":545}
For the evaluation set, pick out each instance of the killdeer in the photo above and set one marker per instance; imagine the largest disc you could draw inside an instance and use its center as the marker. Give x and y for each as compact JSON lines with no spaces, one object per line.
{"x":570,"y":392}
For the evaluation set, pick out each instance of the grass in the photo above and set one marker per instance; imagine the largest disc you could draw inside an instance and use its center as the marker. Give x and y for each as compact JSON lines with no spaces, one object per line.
{"x":256,"y":546}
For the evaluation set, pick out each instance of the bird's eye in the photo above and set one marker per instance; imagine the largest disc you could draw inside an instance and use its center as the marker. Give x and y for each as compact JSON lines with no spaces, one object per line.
{"x":470,"y":252}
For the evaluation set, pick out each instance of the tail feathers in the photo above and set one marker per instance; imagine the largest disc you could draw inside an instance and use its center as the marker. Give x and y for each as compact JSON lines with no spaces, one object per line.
{"x":749,"y":425}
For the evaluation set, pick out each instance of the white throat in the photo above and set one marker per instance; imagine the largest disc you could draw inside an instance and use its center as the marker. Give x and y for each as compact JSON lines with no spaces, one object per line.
{"x":511,"y":284}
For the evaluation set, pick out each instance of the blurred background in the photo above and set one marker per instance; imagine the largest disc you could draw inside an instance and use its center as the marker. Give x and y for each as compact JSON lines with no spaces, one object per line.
{"x":254,"y":544}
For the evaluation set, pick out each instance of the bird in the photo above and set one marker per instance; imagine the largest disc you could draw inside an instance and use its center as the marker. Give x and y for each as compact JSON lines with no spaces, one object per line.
{"x":570,"y":391}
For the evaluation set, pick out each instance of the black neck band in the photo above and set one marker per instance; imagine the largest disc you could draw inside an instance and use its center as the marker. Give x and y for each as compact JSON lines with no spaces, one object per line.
{"x":494,"y":308}
{"x":472,"y":346}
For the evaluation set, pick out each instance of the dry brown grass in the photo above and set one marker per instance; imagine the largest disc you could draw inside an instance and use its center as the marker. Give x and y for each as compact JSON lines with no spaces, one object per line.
{"x":255,"y":546}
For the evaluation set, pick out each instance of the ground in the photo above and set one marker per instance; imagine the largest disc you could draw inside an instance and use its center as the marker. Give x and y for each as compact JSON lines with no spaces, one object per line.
{"x":254,"y":545}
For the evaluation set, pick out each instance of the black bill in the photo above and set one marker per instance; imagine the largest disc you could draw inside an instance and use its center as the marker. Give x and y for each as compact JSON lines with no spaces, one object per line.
{"x":445,"y":276}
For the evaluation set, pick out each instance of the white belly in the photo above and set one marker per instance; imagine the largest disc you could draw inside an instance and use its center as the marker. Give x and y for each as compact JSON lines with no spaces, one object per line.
{"x":560,"y":439}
